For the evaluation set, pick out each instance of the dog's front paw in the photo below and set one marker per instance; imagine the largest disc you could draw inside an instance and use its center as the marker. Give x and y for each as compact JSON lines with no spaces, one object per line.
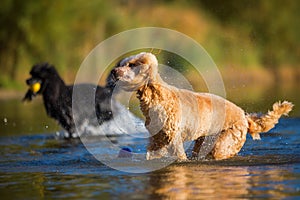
{"x":163,"y":152}
{"x":152,"y":155}
{"x":182,"y":158}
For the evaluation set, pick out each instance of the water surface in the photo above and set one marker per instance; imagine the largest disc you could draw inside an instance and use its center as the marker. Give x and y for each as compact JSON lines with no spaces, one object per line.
{"x":35,"y":164}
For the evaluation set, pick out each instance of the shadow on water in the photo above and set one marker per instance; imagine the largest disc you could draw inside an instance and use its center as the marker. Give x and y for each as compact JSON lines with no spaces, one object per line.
{"x":34,"y":164}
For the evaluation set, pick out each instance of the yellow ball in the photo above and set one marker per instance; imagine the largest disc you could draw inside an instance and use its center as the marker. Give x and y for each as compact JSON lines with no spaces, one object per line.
{"x":35,"y":87}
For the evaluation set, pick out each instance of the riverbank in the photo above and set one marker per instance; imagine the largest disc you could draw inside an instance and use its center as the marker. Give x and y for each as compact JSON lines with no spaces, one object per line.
{"x":6,"y":94}
{"x":233,"y":77}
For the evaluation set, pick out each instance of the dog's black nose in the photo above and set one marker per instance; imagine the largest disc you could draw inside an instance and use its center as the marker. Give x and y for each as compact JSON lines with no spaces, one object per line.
{"x":29,"y":81}
{"x":114,"y":74}
{"x":112,"y":78}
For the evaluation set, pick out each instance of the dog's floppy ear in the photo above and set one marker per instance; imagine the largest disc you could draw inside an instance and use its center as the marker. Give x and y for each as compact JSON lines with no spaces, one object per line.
{"x":143,"y":60}
{"x":150,"y":60}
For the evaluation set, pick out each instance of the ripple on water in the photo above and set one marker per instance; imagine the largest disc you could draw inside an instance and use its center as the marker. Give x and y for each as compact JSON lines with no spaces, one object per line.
{"x":42,"y":165}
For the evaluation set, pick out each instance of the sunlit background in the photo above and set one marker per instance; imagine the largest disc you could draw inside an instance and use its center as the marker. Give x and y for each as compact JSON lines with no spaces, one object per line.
{"x":251,"y":41}
{"x":255,"y":44}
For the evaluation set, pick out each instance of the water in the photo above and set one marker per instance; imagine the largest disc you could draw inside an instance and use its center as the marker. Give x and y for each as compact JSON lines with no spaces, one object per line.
{"x":34,"y":164}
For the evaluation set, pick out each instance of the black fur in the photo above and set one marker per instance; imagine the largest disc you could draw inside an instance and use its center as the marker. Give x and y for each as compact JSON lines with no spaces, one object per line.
{"x":57,"y":98}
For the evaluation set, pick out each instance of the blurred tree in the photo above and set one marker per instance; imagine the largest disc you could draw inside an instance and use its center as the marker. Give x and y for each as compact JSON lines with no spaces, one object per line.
{"x":273,"y":26}
{"x":17,"y":32}
{"x":64,"y":32}
{"x":59,"y":32}
{"x":12,"y":34}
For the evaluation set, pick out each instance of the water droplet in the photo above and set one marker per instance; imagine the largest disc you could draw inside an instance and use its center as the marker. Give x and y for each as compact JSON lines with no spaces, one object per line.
{"x":46,"y":126}
{"x":5,"y":120}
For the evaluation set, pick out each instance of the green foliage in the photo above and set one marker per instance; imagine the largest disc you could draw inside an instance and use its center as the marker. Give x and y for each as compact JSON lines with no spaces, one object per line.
{"x":6,"y":82}
{"x":271,"y":25}
{"x":243,"y":33}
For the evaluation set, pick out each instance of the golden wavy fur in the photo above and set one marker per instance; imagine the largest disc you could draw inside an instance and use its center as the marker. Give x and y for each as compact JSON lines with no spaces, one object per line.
{"x":176,"y":115}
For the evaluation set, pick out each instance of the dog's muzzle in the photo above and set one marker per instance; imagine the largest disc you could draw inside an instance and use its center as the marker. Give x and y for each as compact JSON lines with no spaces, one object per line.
{"x":34,"y":88}
{"x":117,"y":73}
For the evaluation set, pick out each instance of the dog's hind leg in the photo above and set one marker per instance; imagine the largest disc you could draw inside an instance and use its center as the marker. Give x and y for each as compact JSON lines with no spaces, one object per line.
{"x":229,"y":143}
{"x":203,"y":147}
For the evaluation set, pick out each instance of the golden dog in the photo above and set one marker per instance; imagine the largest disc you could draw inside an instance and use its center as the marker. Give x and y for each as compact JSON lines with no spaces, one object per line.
{"x":176,"y":115}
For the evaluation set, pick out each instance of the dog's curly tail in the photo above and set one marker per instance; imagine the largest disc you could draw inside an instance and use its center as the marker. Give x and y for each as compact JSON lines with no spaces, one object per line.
{"x":259,"y":123}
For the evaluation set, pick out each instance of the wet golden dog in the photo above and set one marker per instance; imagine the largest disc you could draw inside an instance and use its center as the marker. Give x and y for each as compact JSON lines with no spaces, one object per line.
{"x":176,"y":115}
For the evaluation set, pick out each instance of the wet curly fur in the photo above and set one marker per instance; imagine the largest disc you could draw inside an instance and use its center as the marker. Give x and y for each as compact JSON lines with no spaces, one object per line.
{"x":176,"y":115}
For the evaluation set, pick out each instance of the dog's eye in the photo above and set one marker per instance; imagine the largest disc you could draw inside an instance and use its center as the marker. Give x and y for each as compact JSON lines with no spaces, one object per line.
{"x":131,"y":64}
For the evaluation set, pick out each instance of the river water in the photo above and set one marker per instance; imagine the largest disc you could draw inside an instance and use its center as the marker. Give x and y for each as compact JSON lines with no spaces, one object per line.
{"x":34,"y":164}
